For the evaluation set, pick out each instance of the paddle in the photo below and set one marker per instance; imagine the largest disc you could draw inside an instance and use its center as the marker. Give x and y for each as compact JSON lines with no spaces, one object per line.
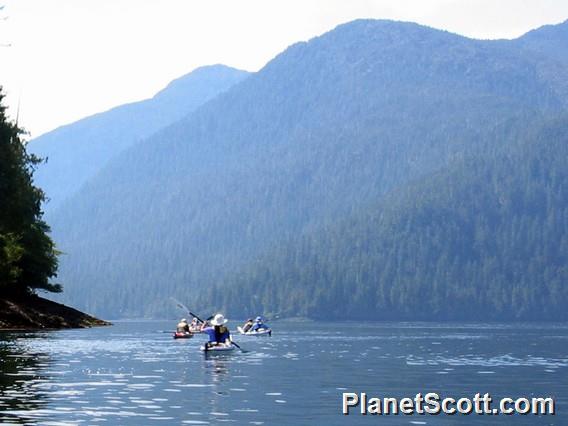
{"x":179,"y":304}
{"x":186,"y":309}
{"x":234,"y":344}
{"x":199,"y":319}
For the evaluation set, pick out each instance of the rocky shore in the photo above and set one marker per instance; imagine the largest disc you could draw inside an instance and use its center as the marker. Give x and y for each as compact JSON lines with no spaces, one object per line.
{"x":37,"y":313}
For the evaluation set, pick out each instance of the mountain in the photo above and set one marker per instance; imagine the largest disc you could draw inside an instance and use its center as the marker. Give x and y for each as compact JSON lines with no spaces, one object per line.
{"x":484,"y":239}
{"x":76,"y":152}
{"x":324,"y":130}
{"x":550,"y":41}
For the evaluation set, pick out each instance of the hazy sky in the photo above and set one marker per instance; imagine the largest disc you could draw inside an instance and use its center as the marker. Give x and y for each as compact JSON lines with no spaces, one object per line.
{"x":72,"y":58}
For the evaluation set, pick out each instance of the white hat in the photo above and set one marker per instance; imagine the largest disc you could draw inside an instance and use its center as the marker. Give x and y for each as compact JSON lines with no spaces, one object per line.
{"x":219,"y":319}
{"x":183,"y":320}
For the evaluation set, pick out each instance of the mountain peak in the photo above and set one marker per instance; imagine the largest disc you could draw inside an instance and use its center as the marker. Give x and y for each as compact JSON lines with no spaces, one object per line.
{"x":378,"y":29}
{"x":548,"y":32}
{"x":200,"y":76}
{"x":79,"y":150}
{"x":549,"y":40}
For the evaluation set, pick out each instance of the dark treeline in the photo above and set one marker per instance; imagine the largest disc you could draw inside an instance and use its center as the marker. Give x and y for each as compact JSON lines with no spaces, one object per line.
{"x":485,"y":239}
{"x":28,"y":258}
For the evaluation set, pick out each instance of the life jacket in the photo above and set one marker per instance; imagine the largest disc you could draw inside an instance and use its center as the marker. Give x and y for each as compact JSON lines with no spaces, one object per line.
{"x":258,"y":326}
{"x":221,"y":333}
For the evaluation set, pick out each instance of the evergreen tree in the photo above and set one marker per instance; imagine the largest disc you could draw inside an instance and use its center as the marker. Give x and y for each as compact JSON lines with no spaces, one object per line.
{"x":28,"y":258}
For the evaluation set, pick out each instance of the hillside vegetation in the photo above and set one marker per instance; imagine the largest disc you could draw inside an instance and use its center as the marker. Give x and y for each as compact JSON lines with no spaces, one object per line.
{"x":485,"y":239}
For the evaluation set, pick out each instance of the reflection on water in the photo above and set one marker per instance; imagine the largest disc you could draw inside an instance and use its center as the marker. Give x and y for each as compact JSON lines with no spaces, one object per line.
{"x":20,"y":371}
{"x":133,"y":374}
{"x":217,"y":366}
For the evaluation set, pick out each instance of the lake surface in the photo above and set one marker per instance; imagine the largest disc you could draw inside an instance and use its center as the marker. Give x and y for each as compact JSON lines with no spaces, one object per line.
{"x":135,"y":373}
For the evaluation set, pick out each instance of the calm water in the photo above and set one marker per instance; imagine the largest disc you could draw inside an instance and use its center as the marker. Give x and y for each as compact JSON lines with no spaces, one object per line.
{"x":133,"y":373}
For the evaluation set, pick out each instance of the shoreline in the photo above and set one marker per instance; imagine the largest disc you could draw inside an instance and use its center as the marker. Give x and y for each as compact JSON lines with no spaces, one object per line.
{"x":34,"y":313}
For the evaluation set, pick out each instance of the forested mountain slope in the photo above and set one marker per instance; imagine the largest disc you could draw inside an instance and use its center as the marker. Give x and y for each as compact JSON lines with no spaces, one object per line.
{"x":77,"y":151}
{"x":325,"y":129}
{"x":550,"y":41}
{"x":485,"y":239}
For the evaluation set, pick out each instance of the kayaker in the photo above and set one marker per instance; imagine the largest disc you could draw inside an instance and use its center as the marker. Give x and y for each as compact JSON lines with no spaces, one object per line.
{"x":258,"y":324}
{"x":194,"y":326}
{"x":183,"y":326}
{"x":248,"y":324}
{"x":217,"y":332}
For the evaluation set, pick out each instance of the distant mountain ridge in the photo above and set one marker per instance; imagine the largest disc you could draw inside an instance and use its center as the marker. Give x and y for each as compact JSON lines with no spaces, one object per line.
{"x":323,"y":130}
{"x":77,"y":151}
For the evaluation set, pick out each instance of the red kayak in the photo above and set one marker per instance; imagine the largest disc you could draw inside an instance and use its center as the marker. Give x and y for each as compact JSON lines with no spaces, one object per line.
{"x":182,"y":335}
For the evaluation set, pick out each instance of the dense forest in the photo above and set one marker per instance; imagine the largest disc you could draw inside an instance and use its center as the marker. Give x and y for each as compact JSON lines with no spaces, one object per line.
{"x":485,"y":239}
{"x":329,"y":131}
{"x":28,"y":258}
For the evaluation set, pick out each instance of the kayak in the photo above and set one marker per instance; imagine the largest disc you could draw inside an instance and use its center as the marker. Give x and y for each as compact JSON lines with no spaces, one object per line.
{"x":182,"y":335}
{"x":217,"y":348}
{"x":261,"y":332}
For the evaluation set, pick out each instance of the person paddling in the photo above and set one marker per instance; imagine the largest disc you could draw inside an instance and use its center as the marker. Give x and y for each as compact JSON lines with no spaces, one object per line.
{"x":247,"y":325}
{"x":194,"y":327}
{"x":217,"y":332}
{"x":183,"y":326}
{"x":259,"y":324}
